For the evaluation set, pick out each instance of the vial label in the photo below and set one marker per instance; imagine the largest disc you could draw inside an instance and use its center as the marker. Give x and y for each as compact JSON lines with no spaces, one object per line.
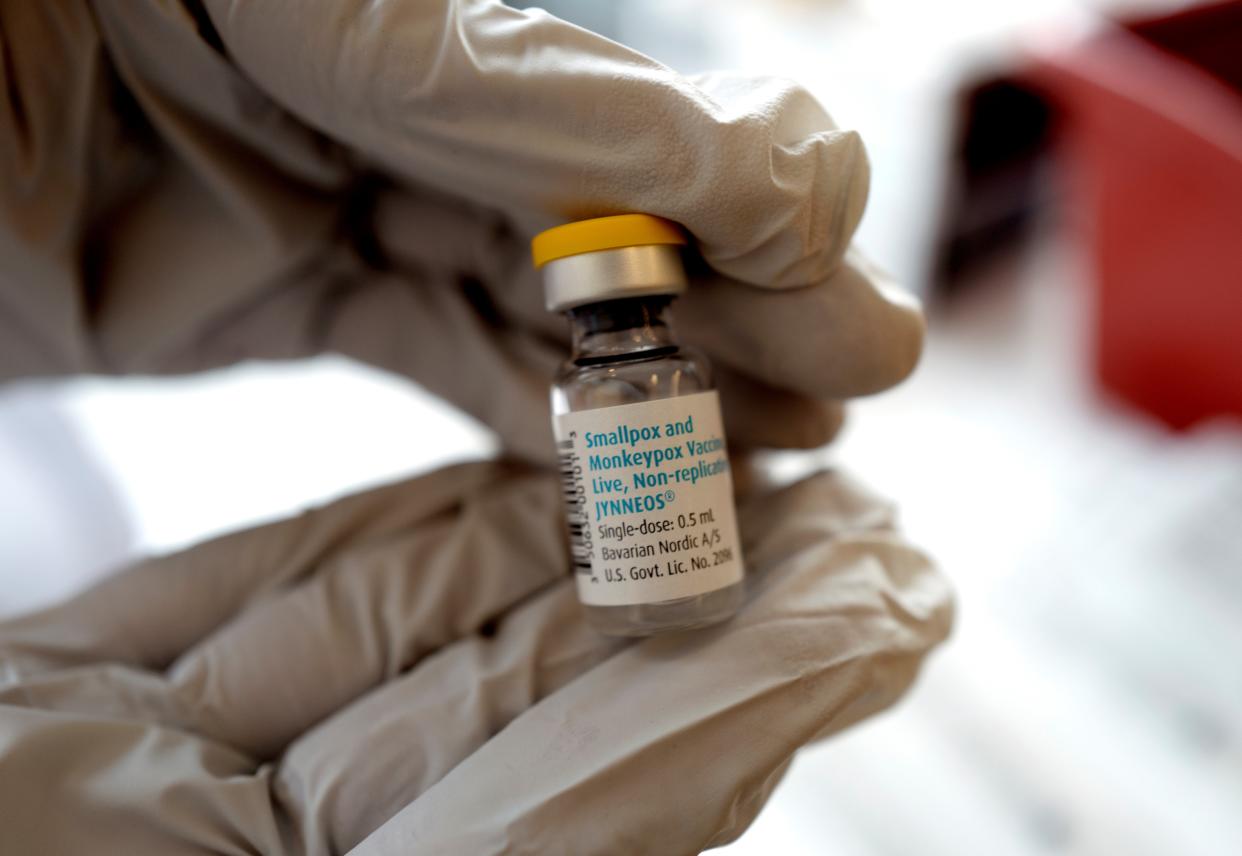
{"x":650,"y":500}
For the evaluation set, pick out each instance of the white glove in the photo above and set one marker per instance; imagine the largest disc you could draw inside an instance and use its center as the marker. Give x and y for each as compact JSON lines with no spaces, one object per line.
{"x":271,"y":179}
{"x":187,"y":187}
{"x":410,"y":669}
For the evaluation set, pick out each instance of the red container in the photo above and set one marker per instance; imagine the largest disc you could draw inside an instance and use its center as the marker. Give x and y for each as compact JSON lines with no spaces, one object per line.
{"x":1152,"y":133}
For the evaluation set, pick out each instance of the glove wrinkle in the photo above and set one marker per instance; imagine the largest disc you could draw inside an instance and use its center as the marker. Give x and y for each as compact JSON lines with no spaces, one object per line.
{"x":207,"y":585}
{"x":703,"y":718}
{"x":368,"y":615}
{"x":394,"y":725}
{"x":240,"y":147}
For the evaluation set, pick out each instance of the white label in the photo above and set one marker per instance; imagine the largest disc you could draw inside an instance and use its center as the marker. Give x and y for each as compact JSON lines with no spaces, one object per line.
{"x":650,"y":500}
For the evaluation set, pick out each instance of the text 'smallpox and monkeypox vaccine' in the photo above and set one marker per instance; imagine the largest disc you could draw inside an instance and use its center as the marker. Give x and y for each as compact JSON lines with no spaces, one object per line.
{"x":653,"y":531}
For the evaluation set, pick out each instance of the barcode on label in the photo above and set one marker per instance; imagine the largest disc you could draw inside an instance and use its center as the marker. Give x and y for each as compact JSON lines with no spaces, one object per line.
{"x":574,"y":492}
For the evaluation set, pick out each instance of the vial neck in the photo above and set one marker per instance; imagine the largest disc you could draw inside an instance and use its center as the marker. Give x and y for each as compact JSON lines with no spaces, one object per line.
{"x":638,"y":327}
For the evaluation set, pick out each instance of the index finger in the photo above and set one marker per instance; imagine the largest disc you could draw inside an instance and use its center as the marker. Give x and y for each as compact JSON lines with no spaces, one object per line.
{"x":517,"y":110}
{"x":150,"y":614}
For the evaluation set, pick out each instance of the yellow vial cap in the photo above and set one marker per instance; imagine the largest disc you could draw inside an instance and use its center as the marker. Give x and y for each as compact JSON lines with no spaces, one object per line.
{"x":603,"y":233}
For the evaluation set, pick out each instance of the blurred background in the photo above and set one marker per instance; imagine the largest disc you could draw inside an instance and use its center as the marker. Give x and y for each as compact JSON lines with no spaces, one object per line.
{"x":1061,"y":181}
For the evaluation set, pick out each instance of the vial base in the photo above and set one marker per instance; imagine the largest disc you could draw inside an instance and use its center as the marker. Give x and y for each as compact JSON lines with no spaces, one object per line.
{"x":669,"y":616}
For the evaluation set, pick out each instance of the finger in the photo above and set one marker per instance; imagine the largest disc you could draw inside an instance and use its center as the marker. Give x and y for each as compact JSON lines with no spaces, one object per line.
{"x":100,"y":785}
{"x":469,"y":243}
{"x":290,"y":661}
{"x":152,"y":613}
{"x":547,"y":728}
{"x":837,"y":634}
{"x":369,"y":613}
{"x":777,"y":354}
{"x":502,"y":106}
{"x":439,"y":714}
{"x":466,"y":238}
{"x":759,"y":416}
{"x":439,"y":325}
{"x":853,"y":334}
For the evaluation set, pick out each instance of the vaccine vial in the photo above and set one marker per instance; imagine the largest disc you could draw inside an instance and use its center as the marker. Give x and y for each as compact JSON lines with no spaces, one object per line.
{"x":641,"y":447}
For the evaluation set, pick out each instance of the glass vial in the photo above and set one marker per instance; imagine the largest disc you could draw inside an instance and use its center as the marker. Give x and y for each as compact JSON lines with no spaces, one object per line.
{"x":642,"y":451}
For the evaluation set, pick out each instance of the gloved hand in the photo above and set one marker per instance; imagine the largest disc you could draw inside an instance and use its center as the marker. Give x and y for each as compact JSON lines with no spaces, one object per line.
{"x":408,"y":671}
{"x":193,"y":184}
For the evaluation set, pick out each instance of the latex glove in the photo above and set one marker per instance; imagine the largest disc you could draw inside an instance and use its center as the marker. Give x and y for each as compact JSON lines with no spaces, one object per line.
{"x":192,"y":185}
{"x":408,"y":671}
